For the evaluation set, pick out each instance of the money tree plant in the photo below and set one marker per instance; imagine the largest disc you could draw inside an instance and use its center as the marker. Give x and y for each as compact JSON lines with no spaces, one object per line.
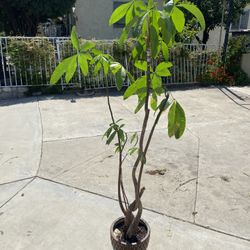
{"x":153,"y":27}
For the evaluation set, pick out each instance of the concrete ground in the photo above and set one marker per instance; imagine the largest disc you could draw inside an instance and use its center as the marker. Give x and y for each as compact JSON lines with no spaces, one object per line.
{"x":58,"y":178}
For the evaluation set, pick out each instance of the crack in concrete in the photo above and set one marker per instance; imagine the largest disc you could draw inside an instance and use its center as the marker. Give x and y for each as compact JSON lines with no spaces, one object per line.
{"x":11,"y":158}
{"x":42,"y":132}
{"x":185,"y":183}
{"x":197,"y":182}
{"x":194,"y":213}
{"x":13,"y":196}
{"x":15,"y":181}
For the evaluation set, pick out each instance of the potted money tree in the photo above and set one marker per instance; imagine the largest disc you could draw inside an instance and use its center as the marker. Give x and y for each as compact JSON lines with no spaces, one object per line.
{"x":153,"y":28}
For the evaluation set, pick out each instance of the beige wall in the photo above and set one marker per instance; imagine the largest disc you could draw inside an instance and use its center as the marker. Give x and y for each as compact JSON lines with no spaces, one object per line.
{"x":93,"y":17}
{"x":245,"y":63}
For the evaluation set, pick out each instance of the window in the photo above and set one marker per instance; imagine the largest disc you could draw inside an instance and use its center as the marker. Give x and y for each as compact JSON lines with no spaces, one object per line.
{"x":243,"y":23}
{"x":120,"y":23}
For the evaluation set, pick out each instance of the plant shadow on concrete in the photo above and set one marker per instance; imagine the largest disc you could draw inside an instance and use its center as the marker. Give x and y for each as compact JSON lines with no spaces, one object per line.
{"x":154,"y":29}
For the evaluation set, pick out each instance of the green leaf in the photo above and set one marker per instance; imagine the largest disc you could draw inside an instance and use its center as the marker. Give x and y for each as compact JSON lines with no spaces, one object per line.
{"x":119,"y":13}
{"x":196,"y":12}
{"x":165,"y":51}
{"x":124,"y":35}
{"x":156,"y":81}
{"x":154,"y":41}
{"x":121,"y":135}
{"x":96,"y":52}
{"x":168,"y":7}
{"x":108,"y":132}
{"x":133,"y":88}
{"x":97,"y":68}
{"x":59,"y":71}
{"x":119,"y":79}
{"x":176,"y":120}
{"x":167,"y":28}
{"x":178,"y":19}
{"x":71,"y":69}
{"x":82,"y":60}
{"x":105,"y":66}
{"x":111,"y":138}
{"x":153,"y":101}
{"x":87,"y":46}
{"x":140,"y":104}
{"x":74,"y":38}
{"x":129,"y":15}
{"x":115,"y":67}
{"x":164,"y":104}
{"x":132,"y":150}
{"x":133,"y":138}
{"x":139,"y":5}
{"x":142,"y":65}
{"x":150,"y":4}
{"x":130,"y":77}
{"x":163,"y":69}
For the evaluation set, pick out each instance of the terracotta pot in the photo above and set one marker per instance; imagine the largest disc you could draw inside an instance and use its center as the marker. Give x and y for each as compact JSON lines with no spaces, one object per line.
{"x":118,"y":245}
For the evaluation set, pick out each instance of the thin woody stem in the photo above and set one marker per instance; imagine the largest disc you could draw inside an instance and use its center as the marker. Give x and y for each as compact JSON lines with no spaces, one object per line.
{"x":120,"y":183}
{"x":149,"y":140}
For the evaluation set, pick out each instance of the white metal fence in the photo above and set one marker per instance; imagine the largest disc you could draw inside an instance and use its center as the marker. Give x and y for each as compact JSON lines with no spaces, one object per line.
{"x":30,"y":61}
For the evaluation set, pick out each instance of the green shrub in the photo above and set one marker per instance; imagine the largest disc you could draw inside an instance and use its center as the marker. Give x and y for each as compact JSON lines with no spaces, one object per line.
{"x":33,"y":60}
{"x":237,"y":47}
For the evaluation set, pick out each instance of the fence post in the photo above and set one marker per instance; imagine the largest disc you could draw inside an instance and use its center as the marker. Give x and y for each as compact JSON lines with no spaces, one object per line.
{"x":3,"y":62}
{"x":59,"y":58}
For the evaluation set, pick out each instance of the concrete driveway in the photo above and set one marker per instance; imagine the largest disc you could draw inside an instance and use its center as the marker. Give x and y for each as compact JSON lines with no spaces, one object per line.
{"x":58,"y":178}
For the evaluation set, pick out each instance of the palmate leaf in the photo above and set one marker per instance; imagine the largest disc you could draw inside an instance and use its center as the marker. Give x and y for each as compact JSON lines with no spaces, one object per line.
{"x":119,"y":13}
{"x":176,"y":120}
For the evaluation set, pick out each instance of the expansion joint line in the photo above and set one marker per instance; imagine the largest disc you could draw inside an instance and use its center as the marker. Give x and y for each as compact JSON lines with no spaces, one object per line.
{"x":13,"y":196}
{"x":197,"y":181}
{"x":41,"y":122}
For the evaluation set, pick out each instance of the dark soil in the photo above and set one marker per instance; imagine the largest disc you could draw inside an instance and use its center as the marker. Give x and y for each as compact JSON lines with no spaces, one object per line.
{"x":140,"y":234}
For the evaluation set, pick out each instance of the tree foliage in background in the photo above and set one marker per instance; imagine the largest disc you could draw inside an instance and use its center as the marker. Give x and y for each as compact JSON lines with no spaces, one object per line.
{"x":212,"y":10}
{"x":22,"y":17}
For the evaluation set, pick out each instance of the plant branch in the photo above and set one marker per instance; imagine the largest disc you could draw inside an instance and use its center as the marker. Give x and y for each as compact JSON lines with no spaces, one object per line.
{"x":120,"y":183}
{"x":150,"y":138}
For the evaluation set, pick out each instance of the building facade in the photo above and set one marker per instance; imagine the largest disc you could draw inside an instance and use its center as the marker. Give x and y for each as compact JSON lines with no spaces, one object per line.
{"x":92,"y":19}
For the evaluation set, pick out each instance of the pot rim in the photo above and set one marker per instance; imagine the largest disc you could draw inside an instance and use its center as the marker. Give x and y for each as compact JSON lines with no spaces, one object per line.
{"x":122,"y":219}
